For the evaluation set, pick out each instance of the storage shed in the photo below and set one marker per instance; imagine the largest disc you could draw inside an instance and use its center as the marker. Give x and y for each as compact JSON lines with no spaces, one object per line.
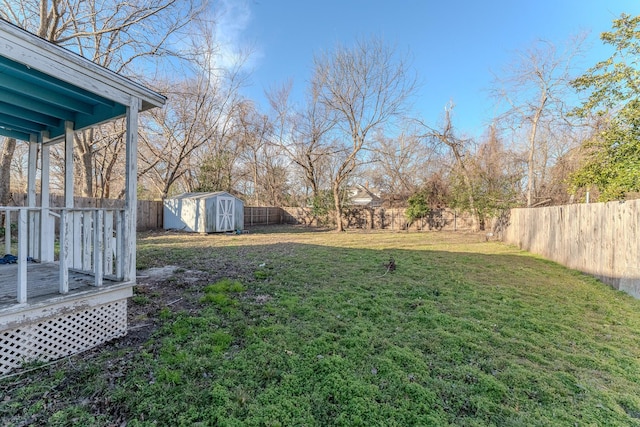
{"x":204,"y":212}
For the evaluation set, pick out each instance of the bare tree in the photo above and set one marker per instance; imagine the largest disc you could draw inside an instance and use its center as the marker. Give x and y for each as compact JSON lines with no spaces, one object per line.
{"x":202,"y":109}
{"x":301,"y":134}
{"x":403,"y":164}
{"x":460,"y":149}
{"x":363,"y":87}
{"x":109,"y":171}
{"x":125,"y":37}
{"x":534,"y":87}
{"x":253,"y":133}
{"x":197,"y":115}
{"x":495,"y":178}
{"x":216,"y":168}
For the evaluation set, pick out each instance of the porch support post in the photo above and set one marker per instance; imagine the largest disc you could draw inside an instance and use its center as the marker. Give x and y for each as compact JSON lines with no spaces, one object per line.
{"x":32,"y":250}
{"x":46,"y":222}
{"x":66,"y":215}
{"x":31,"y":171}
{"x":68,"y":164}
{"x":131,"y":197}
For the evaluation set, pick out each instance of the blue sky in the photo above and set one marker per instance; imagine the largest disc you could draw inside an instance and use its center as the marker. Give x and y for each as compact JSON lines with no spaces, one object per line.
{"x":455,"y":45}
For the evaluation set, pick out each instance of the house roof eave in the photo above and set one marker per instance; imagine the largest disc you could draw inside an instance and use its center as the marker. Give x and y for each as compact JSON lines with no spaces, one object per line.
{"x":43,"y":85}
{"x":34,"y":52}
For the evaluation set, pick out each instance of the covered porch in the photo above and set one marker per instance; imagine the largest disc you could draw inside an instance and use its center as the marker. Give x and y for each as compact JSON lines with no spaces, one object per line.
{"x":74,"y":268}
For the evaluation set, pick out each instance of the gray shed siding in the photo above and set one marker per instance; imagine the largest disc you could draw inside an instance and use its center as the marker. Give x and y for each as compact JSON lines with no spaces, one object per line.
{"x":204,"y":212}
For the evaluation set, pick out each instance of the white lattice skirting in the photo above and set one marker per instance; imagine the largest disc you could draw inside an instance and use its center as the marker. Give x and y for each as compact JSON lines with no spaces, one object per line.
{"x":63,"y":335}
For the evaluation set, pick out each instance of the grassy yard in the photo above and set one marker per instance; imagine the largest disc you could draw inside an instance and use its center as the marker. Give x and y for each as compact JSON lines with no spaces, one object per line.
{"x":299,"y":328}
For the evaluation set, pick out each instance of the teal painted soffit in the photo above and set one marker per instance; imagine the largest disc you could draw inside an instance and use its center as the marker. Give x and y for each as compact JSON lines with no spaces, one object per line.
{"x":32,"y":102}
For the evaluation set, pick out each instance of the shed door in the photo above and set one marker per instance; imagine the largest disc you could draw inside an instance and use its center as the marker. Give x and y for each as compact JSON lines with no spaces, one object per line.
{"x":226,"y":212}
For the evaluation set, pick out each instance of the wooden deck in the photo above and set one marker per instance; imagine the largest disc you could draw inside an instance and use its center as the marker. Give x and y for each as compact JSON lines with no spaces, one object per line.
{"x":43,"y":282}
{"x":50,"y":325}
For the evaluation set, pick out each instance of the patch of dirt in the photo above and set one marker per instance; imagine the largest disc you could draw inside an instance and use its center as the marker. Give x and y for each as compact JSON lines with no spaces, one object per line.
{"x":170,"y":286}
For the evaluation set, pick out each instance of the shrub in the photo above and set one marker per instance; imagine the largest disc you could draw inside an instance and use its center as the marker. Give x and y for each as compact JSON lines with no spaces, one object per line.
{"x":418,"y":207}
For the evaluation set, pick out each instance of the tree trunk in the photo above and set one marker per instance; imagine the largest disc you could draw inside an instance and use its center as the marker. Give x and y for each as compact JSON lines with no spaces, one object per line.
{"x":337,"y":205}
{"x":85,"y":171}
{"x":467,"y":180}
{"x":532,"y":146}
{"x":6,"y":157}
{"x":447,"y":137}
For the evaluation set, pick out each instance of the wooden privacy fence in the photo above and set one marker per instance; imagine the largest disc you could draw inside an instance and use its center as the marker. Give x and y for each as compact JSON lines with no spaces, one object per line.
{"x":150,"y":215}
{"x":362,"y":218}
{"x":386,"y":219}
{"x":601,"y":239}
{"x":151,"y":212}
{"x":263,"y":215}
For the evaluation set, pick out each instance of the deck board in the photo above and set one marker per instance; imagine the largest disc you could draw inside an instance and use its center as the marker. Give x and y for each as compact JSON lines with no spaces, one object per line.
{"x":43,"y":279}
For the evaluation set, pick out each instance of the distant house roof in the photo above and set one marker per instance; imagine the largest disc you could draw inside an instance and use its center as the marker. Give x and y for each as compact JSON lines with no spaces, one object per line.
{"x":360,"y":195}
{"x":42,"y":86}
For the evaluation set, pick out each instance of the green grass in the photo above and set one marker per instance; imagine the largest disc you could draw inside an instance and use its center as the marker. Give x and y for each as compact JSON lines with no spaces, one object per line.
{"x":309,"y":328}
{"x":218,"y":293}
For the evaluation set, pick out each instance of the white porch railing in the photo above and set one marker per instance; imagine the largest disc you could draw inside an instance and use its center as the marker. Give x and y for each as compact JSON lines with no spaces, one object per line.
{"x":90,"y":241}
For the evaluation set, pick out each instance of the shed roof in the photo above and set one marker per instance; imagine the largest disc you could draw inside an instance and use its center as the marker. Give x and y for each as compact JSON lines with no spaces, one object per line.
{"x":202,"y":195}
{"x":43,"y":85}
